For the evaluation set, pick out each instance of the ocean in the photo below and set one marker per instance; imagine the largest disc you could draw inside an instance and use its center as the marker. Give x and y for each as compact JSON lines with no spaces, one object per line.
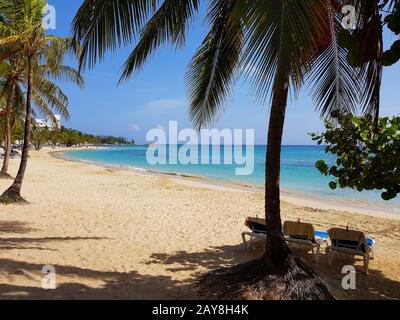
{"x":298,"y":171}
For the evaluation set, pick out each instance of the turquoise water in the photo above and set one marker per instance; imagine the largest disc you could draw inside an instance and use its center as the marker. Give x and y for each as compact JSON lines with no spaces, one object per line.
{"x":298,"y":172}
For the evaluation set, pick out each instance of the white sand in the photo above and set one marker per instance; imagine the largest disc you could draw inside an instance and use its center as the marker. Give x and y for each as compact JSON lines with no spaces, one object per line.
{"x":121,"y":234}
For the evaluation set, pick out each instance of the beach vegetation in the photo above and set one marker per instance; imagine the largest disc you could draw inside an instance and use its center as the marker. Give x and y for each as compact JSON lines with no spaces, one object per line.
{"x":392,"y":55}
{"x":41,"y":56}
{"x":358,"y":40}
{"x":40,"y":136}
{"x":366,"y":154}
{"x":9,"y":76}
{"x":46,"y":96}
{"x":65,"y":137}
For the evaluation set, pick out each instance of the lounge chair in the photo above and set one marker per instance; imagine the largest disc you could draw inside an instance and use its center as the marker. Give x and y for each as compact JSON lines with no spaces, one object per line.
{"x":13,"y":154}
{"x":257,"y":227}
{"x":350,"y":242}
{"x":304,"y":235}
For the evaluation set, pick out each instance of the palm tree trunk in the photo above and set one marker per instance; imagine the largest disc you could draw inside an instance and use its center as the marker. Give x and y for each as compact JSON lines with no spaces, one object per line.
{"x":13,"y":194}
{"x":276,"y":251}
{"x":7,"y":147}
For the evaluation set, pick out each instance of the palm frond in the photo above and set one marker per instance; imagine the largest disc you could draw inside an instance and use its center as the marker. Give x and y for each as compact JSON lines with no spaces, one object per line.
{"x":281,"y":36}
{"x":210,"y":74}
{"x":6,"y":30}
{"x":52,"y":94}
{"x":5,"y":70}
{"x":13,"y":40}
{"x":21,"y":15}
{"x":57,"y":48}
{"x":43,"y":107}
{"x":169,"y":24}
{"x":19,"y":102}
{"x":63,"y":73}
{"x":335,"y":83}
{"x":369,"y":51}
{"x":102,"y":25}
{"x":5,"y":85}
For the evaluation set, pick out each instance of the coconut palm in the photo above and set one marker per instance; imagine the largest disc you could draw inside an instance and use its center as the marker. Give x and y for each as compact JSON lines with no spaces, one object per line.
{"x":8,"y":92}
{"x":279,"y":45}
{"x":22,"y":34}
{"x":46,"y":95}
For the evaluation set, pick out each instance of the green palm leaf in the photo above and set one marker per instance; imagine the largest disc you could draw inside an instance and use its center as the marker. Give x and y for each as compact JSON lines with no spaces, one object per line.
{"x":62,"y":73}
{"x":335,"y":83}
{"x":102,"y":25}
{"x":210,"y":74}
{"x":42,"y":105}
{"x":169,"y":24}
{"x":281,"y":38}
{"x":52,"y":95}
{"x":369,"y":51}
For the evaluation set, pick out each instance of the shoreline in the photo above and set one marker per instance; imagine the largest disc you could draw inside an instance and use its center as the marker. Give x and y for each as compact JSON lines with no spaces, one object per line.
{"x":289,"y":196}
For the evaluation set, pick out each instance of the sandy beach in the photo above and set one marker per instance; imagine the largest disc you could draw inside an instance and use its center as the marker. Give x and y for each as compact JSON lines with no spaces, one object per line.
{"x":119,"y":234}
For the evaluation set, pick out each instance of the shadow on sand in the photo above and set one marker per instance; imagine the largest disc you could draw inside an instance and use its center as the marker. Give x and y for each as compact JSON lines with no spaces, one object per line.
{"x":372,"y":286}
{"x":14,"y":227}
{"x":115,"y":285}
{"x":108,"y":284}
{"x":133,"y":285}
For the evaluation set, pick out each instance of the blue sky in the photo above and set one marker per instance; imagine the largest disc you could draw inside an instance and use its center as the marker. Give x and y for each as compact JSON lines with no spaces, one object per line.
{"x":157,"y":94}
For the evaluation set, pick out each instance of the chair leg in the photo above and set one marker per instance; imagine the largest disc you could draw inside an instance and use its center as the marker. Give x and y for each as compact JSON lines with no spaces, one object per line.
{"x":330,"y":256}
{"x":243,"y":237}
{"x":313,"y":253}
{"x":366,"y":263}
{"x":317,"y":254}
{"x":372,"y":253}
{"x":249,"y":243}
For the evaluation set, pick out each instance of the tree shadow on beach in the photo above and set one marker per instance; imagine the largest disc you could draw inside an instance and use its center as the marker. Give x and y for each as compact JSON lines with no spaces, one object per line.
{"x":114,"y":285}
{"x":14,"y":227}
{"x":375,"y":285}
{"x":371,"y":286}
{"x":24,"y":278}
{"x":35,"y":243}
{"x":17,"y":227}
{"x":211,"y":258}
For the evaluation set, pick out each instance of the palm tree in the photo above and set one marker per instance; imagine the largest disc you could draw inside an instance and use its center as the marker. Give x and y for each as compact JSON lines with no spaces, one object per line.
{"x":46,"y":95}
{"x":22,"y":33}
{"x":285,"y":43}
{"x":7,"y":72}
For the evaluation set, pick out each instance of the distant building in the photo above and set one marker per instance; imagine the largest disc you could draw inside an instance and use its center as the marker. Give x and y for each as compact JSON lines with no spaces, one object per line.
{"x":49,"y":123}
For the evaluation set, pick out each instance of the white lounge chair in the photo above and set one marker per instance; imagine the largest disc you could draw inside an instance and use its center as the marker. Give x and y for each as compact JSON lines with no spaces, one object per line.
{"x":257,"y":228}
{"x":304,"y":235}
{"x":350,"y":242}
